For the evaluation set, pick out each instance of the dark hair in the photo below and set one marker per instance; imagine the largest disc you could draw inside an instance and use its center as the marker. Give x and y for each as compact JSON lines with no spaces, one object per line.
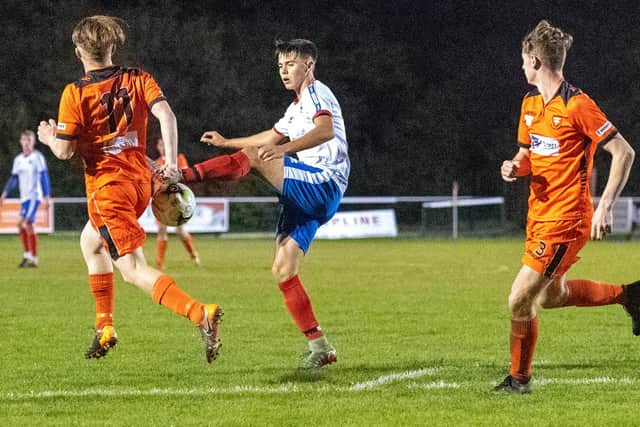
{"x":549,"y":43}
{"x":301,"y":47}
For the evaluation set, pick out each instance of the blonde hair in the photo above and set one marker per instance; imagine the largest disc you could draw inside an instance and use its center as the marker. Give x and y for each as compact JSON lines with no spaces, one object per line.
{"x":548,"y":43}
{"x":29,"y":133}
{"x":98,"y":35}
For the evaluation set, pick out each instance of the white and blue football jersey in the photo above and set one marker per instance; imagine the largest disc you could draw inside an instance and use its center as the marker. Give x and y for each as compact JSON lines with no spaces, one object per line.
{"x":332,"y":156}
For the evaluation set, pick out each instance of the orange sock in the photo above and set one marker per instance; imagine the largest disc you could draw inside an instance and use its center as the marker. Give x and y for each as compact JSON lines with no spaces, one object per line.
{"x":102,"y":288}
{"x":299,"y":306}
{"x":588,"y":293}
{"x":166,"y":292}
{"x":224,"y":168}
{"x":524,"y":335}
{"x":188,"y":244}
{"x":162,"y":249}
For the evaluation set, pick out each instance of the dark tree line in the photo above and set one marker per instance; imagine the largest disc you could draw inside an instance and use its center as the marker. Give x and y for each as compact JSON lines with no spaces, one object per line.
{"x":430,"y":90}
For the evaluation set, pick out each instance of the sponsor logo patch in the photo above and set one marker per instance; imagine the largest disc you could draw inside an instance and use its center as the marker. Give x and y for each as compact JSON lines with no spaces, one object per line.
{"x":604,"y":128}
{"x":543,"y":145}
{"x":555,"y":121}
{"x":62,"y":126}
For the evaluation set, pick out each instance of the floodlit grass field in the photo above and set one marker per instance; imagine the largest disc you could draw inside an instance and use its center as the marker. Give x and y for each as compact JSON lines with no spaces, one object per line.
{"x":421,"y":329}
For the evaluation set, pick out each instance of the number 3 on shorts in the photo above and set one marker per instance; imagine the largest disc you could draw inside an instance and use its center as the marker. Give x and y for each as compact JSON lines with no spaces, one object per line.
{"x":543,"y":247}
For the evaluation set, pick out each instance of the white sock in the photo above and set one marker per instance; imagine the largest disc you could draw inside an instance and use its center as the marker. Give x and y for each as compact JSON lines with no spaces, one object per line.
{"x":26,"y":255}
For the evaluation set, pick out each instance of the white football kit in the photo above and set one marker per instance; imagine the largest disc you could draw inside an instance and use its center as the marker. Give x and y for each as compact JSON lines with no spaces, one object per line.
{"x":314,"y":182}
{"x":28,"y":169}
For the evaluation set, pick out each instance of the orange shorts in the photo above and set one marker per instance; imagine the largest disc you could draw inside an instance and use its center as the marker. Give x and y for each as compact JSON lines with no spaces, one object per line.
{"x":114,"y":210}
{"x":552,"y":247}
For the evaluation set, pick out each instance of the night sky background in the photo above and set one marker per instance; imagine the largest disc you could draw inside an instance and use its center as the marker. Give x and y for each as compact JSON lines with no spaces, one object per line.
{"x":430,"y":91}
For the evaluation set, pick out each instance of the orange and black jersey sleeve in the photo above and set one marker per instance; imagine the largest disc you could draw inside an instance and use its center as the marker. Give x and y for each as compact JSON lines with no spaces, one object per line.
{"x":152,"y":92}
{"x":69,"y":114}
{"x":589,"y":119}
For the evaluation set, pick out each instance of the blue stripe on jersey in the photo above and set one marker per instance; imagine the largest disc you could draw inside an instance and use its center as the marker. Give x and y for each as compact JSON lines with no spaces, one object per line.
{"x":289,"y":163}
{"x":314,"y":97}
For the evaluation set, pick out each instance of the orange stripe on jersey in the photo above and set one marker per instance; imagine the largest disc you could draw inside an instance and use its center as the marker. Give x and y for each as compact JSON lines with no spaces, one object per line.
{"x":562,"y":138}
{"x":107,"y":111}
{"x":182,"y":161}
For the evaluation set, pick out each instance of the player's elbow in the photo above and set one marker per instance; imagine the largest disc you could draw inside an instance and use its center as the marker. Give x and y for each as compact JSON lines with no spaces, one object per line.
{"x":630,"y":154}
{"x":326,"y":134}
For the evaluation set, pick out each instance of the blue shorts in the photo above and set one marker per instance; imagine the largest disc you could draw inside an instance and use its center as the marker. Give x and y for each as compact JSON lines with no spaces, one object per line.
{"x":28,"y":210}
{"x":309,"y":199}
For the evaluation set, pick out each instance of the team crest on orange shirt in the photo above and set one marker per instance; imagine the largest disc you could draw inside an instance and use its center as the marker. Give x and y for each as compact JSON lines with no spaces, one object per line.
{"x":528,"y":119}
{"x":555,"y":121}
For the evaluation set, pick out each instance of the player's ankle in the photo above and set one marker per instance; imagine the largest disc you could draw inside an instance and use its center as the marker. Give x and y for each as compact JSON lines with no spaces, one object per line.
{"x":191,"y":175}
{"x":314,"y":334}
{"x":318,"y":344}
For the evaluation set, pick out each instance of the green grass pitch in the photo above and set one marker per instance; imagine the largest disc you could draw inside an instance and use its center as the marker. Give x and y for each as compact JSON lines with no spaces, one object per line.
{"x":421,"y":329}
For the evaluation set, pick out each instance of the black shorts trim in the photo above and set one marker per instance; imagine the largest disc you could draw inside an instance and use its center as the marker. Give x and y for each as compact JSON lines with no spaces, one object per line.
{"x":561,"y":250}
{"x":113,"y":251}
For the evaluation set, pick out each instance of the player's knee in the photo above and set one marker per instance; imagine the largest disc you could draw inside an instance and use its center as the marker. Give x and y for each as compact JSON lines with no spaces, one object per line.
{"x":520,"y":305}
{"x":553,"y":300}
{"x":283,"y":271}
{"x":252,"y":155}
{"x":129,"y":276}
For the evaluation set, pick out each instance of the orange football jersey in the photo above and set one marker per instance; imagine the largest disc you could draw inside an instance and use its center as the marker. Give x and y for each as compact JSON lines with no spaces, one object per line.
{"x":106,"y":111}
{"x":562,"y":138}
{"x":182,"y":161}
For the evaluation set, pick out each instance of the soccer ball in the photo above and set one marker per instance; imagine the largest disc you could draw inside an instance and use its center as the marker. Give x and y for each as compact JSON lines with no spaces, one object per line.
{"x":174,"y":206}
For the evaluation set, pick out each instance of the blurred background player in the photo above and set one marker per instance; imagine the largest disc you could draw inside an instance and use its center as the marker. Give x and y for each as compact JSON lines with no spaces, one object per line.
{"x":305,"y":157}
{"x":559,"y":131}
{"x":103,"y":116}
{"x":185,"y":237}
{"x":31,"y":176}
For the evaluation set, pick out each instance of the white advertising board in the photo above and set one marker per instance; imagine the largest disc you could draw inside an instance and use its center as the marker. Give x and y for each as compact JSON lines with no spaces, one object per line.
{"x":360,"y":224}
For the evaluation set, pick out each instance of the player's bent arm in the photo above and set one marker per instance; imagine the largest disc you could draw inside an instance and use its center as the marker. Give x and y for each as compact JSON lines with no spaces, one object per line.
{"x":622,"y":156}
{"x":62,"y":148}
{"x":517,"y":167}
{"x":267,"y":137}
{"x":320,"y":134}
{"x":169,"y":130}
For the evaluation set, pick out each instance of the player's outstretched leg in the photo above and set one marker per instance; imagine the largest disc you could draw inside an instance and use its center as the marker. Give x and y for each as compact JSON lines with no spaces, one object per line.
{"x":590,"y":293}
{"x":223,"y":168}
{"x":206,"y":317}
{"x":285,"y":269}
